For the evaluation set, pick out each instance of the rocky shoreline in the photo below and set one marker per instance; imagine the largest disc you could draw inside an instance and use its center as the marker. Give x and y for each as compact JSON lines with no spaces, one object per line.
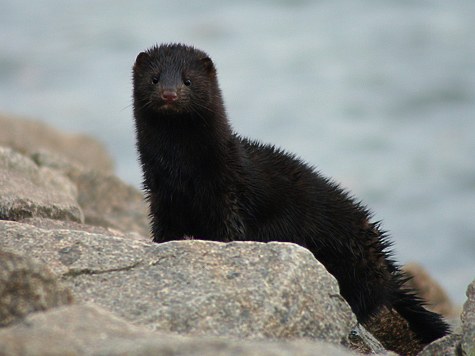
{"x":80,"y":276}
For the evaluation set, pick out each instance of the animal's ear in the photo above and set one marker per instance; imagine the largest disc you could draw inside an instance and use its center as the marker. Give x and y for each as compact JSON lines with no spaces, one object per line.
{"x":141,"y":59}
{"x":209,"y":66}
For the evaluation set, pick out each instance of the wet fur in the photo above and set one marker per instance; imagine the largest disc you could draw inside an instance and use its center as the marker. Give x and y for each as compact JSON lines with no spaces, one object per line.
{"x":206,"y":182}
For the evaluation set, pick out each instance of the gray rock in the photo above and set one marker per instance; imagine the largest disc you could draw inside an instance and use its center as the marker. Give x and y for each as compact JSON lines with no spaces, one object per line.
{"x":50,"y":224}
{"x":28,"y":136}
{"x":26,"y":287}
{"x":468,"y":322}
{"x":445,"y":346}
{"x":57,"y":248}
{"x":27,"y":190}
{"x":89,"y":330}
{"x":108,"y":202}
{"x":105,"y":200}
{"x":462,"y":341}
{"x":240,"y":289}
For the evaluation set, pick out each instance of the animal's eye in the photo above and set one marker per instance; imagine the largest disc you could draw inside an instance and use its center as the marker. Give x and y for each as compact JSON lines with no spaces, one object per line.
{"x":187,"y":82}
{"x":155,"y":80}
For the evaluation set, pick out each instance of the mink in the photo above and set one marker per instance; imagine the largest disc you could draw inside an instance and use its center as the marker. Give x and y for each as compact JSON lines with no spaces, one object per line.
{"x":204,"y":181}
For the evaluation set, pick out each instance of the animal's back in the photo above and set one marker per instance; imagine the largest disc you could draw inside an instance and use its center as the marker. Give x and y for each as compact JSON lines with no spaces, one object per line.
{"x":294,"y":203}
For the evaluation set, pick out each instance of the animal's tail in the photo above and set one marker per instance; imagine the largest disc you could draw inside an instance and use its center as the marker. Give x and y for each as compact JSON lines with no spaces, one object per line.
{"x":428,"y":326}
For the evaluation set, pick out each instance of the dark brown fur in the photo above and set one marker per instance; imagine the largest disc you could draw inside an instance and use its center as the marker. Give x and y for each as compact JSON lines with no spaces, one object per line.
{"x":204,"y":181}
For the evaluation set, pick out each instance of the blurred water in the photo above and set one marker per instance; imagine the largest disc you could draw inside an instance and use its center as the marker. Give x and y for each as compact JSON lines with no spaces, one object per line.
{"x":378,"y":95}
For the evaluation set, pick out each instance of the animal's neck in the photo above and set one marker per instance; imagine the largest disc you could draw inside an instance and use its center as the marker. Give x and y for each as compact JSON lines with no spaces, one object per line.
{"x":187,"y":147}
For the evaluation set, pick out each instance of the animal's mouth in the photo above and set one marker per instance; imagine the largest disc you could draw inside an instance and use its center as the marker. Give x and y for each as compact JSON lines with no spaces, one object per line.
{"x":169,"y":106}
